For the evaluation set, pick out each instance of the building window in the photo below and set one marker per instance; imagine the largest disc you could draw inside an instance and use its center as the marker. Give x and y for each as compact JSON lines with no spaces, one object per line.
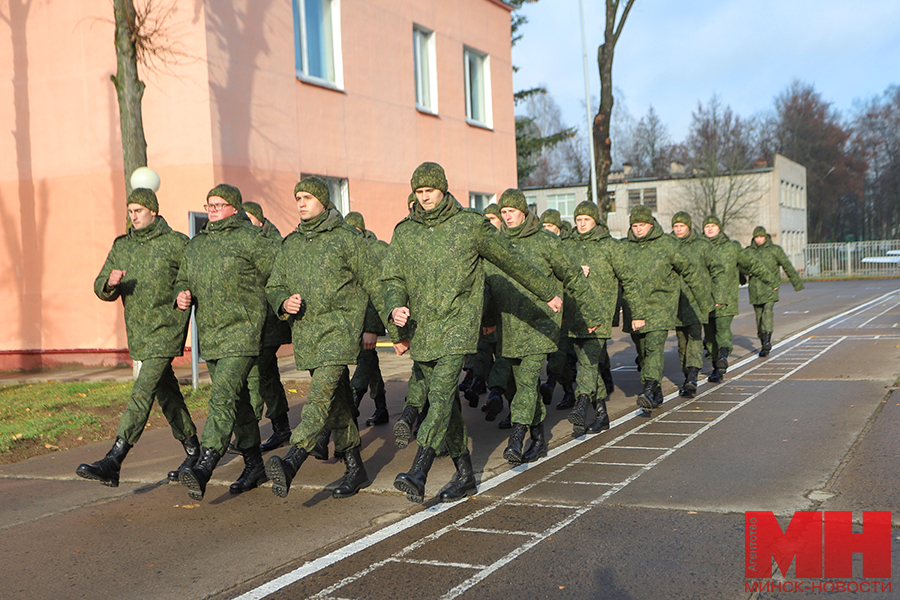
{"x":634,"y":199}
{"x":650,"y":198}
{"x":424,"y":63}
{"x":611,"y":200}
{"x":478,"y":87}
{"x":338,"y":191}
{"x":647,"y":197}
{"x":480,"y":201}
{"x":317,"y":40}
{"x":564,"y":203}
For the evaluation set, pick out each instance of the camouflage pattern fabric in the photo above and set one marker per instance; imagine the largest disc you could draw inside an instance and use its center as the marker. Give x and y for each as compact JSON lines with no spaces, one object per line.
{"x":229,"y":406}
{"x":773,"y":257}
{"x":155,"y":381}
{"x":264,"y":385}
{"x":416,"y":392}
{"x":444,"y":422}
{"x":367,"y":374}
{"x":765,"y":317}
{"x":276,"y":332}
{"x":589,"y":352}
{"x":712,"y":274}
{"x":735,"y":260}
{"x":650,"y":347}
{"x":718,"y":334}
{"x":501,"y":375}
{"x":151,"y":258}
{"x":690,"y":346}
{"x":526,"y":406}
{"x":328,"y":404}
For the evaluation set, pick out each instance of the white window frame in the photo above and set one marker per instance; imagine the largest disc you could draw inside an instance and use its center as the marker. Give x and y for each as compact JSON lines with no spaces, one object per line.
{"x":483,"y":61}
{"x":301,"y":55}
{"x":425,"y":79}
{"x":486,"y":198}
{"x":569,"y":198}
{"x":338,"y":190}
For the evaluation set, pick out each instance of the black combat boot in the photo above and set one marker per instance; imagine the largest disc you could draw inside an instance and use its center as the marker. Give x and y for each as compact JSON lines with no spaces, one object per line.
{"x":254,"y":472}
{"x":467,"y":380}
{"x":106,"y":470}
{"x":494,"y":404}
{"x":513,"y":452}
{"x":355,"y":477}
{"x":690,"y":382}
{"x":462,"y":483}
{"x":281,"y":434}
{"x":568,"y":399}
{"x":281,"y":471}
{"x":715,"y":376}
{"x":474,"y":392}
{"x":765,"y":340}
{"x":722,"y":361}
{"x":506,"y":422}
{"x":196,"y":478}
{"x":412,"y":483}
{"x":546,"y":388}
{"x":648,"y":399}
{"x":380,"y":416}
{"x":537,"y":447}
{"x":602,"y":421}
{"x":192,"y":450}
{"x":404,"y":426}
{"x":320,"y":450}
{"x":578,"y":415}
{"x":606,"y":376}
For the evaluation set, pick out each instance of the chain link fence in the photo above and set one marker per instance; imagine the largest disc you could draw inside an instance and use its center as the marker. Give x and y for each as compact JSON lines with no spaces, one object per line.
{"x":851,"y":259}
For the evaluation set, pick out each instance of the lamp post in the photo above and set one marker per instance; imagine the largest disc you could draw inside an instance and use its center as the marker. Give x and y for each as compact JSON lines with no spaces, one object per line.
{"x":587,"y":105}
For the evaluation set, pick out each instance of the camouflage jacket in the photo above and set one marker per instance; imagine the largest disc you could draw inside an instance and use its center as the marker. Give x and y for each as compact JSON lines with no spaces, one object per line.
{"x":702,"y":255}
{"x":736,"y":260}
{"x":151,"y":258}
{"x":774,"y":258}
{"x":525,"y":324}
{"x":434,"y":267}
{"x":226,"y":266}
{"x":275,"y":332}
{"x":377,"y":252}
{"x":327,"y":262}
{"x":608,"y":266}
{"x":660,"y":264}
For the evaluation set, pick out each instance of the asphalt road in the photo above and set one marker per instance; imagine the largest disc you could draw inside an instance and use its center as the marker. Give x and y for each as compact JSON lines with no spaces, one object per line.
{"x":653,"y":508}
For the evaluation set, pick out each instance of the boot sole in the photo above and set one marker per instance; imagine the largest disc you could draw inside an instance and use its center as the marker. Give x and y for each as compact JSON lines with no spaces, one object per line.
{"x":645,"y":403}
{"x":92,"y":477}
{"x":275,"y":474}
{"x":402,"y":434}
{"x":189,"y":480}
{"x":576,"y":419}
{"x":412,"y":493}
{"x":512,"y":457}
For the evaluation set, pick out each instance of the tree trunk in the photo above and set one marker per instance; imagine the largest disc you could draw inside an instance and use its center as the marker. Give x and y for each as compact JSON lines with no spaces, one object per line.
{"x":129,"y":90}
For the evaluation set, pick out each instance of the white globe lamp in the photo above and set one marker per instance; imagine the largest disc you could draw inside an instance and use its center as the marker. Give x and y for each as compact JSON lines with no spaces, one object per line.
{"x":146,"y":178}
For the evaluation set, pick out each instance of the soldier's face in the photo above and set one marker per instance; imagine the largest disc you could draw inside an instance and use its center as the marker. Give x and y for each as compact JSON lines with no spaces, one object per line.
{"x":308,"y":206}
{"x":711,"y":230}
{"x":552,"y":227}
{"x":429,"y":197}
{"x":680,"y":230}
{"x":513,"y":217}
{"x":641,"y":229}
{"x":254,"y":220}
{"x":760,"y":240}
{"x":584,"y":223}
{"x":495,"y":220}
{"x":217,"y":209}
{"x":140,"y":215}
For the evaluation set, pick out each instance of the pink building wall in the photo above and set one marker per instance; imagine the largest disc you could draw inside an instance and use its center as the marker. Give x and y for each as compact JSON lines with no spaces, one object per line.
{"x":234,"y":112}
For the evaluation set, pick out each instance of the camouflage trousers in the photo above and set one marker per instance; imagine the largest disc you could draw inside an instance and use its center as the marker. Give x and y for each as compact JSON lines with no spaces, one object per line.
{"x":444,"y":422}
{"x":765,"y":318}
{"x":559,"y":363}
{"x":328,"y":404}
{"x":526,"y":406}
{"x":230,"y":409}
{"x":718,"y":335}
{"x":367,"y":375}
{"x":416,"y":390}
{"x":155,"y":381}
{"x":264,"y":384}
{"x":482,"y":361}
{"x":501,"y":375}
{"x":590,"y":353}
{"x":651,"y":348}
{"x":690,"y":346}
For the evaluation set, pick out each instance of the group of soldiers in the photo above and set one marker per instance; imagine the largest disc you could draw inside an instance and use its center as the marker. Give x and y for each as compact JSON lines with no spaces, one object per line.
{"x":496,"y":294}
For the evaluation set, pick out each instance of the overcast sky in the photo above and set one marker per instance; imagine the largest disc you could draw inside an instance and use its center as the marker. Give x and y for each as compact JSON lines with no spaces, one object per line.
{"x":673,"y":53}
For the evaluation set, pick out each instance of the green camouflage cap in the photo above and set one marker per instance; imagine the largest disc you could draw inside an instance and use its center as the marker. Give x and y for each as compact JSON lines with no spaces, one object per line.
{"x":641,"y":214}
{"x":513,"y":198}
{"x":589,"y":209}
{"x":317,"y":187}
{"x":355,"y":219}
{"x":411,"y":199}
{"x":714,"y":220}
{"x":229,"y":194}
{"x":682,"y":217}
{"x":759,"y":231}
{"x":253,"y":208}
{"x":429,"y":174}
{"x":552,"y":216}
{"x":144,"y":197}
{"x":492,"y":209}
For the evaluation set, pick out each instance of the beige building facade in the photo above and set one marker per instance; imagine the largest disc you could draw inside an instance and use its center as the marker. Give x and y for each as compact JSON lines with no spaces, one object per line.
{"x":776,"y":197}
{"x":265,"y":92}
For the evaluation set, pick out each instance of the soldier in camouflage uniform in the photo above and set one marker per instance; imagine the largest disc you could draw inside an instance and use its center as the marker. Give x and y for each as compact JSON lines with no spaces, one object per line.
{"x":735,"y":260}
{"x":690,"y":318}
{"x":527,"y":329}
{"x":658,"y":260}
{"x":434,"y":283}
{"x":224,"y":273}
{"x":322,"y":282}
{"x":140,"y":269}
{"x":368,"y":372}
{"x":264,"y":380}
{"x":762,"y":295}
{"x":552,"y":221}
{"x":604,"y":263}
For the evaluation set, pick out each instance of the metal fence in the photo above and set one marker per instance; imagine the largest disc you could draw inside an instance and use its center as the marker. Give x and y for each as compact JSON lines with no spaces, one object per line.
{"x":879,"y":258}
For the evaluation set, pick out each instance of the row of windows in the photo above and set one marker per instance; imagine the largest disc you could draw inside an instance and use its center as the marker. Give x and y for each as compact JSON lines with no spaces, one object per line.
{"x":791,"y":195}
{"x":317,"y":47}
{"x":646,"y":196}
